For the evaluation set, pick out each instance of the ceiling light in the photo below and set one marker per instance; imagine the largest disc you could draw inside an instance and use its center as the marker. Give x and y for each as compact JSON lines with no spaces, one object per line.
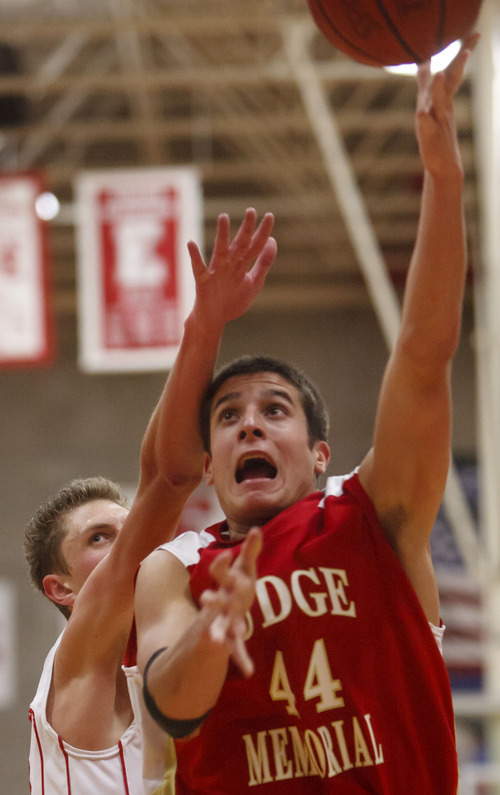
{"x":47,"y":206}
{"x":438,"y":61}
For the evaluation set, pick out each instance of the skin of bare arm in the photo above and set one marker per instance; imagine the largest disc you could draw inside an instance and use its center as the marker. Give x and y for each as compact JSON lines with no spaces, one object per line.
{"x":87,"y":665}
{"x":405,"y":472}
{"x":185,"y":680}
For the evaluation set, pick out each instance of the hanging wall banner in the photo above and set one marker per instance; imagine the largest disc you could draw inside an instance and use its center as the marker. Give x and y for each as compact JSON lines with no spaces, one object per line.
{"x":134,"y":273}
{"x":25,"y":326}
{"x":8,"y":667}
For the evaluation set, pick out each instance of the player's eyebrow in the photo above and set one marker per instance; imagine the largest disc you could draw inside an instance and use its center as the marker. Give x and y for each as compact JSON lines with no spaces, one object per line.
{"x":278,"y":393}
{"x":267,"y":393}
{"x":226,"y":398}
{"x":97,"y":527}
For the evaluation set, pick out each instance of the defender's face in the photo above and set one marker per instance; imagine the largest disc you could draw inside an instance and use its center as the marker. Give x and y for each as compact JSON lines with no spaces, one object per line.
{"x":92,"y":529}
{"x":261,"y":461}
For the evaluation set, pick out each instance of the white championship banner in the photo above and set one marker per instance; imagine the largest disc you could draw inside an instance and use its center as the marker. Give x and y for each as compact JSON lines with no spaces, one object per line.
{"x":25,"y":326}
{"x":135,"y":285}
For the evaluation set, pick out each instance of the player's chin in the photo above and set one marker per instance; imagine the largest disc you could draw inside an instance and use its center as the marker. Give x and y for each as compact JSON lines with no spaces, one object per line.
{"x":259,"y":509}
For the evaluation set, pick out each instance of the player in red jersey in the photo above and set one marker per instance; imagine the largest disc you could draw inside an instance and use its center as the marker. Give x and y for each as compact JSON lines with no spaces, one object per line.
{"x":330,"y":596}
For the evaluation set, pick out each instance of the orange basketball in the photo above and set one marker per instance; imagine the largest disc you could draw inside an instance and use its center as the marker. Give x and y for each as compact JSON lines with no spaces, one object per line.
{"x":391,"y":32}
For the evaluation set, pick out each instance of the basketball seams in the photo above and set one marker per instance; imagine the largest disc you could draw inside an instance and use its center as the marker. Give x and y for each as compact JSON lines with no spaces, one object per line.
{"x":441,"y":23}
{"x":397,"y":35}
{"x":414,"y":57}
{"x":319,"y":5}
{"x":390,"y":32}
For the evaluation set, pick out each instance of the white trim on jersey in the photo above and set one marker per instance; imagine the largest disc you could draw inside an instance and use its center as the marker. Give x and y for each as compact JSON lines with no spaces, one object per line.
{"x":58,"y":767}
{"x":335,"y":486}
{"x":186,"y":547}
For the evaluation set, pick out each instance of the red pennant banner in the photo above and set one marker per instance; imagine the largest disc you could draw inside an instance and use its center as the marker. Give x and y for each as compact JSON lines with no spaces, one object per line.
{"x":25,"y":318}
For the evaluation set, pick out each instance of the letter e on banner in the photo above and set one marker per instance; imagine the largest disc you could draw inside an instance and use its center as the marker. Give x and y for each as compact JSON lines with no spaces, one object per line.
{"x":135,"y":280}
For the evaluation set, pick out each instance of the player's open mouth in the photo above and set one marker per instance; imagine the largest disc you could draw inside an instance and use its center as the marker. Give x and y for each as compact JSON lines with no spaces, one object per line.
{"x":254,"y":468}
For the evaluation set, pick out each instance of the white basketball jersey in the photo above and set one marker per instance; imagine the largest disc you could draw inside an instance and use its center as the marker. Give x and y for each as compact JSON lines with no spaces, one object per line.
{"x":57,"y":767}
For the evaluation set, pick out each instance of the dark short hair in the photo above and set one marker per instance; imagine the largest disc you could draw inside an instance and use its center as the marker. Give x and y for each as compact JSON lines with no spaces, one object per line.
{"x":46,"y":529}
{"x":311,"y":400}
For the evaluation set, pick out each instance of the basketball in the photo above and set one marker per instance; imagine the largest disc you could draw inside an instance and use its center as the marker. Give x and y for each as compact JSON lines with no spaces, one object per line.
{"x":392,"y":32}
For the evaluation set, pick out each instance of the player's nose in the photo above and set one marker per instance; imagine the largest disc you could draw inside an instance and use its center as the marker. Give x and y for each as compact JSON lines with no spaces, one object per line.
{"x":251,"y":426}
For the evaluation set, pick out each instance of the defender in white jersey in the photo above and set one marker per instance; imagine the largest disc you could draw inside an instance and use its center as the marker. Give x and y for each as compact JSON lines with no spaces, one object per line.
{"x":61,"y":768}
{"x":84,"y":547}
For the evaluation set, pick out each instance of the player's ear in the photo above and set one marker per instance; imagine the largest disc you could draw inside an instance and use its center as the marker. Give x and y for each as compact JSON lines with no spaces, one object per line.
{"x":57,"y":591}
{"x":322,"y":455}
{"x":207,"y":468}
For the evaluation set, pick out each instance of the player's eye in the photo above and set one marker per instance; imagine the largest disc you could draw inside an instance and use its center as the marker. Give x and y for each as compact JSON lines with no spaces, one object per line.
{"x":226,"y":415}
{"x":275,"y":409}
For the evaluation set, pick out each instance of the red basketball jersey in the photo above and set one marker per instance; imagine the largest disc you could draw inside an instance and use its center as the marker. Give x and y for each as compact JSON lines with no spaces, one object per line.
{"x":350,"y":693}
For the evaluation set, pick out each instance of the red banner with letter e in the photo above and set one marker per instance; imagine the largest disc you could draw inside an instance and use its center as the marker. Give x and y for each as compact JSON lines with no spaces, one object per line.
{"x":135,"y":281}
{"x":25,"y":321}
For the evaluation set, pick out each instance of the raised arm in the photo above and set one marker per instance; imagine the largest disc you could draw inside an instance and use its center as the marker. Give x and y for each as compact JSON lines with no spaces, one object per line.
{"x":405,"y":472}
{"x":172,"y":455}
{"x":225,"y":289}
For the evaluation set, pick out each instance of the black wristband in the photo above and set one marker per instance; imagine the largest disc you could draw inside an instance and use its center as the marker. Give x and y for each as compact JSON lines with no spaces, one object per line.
{"x":172,"y":726}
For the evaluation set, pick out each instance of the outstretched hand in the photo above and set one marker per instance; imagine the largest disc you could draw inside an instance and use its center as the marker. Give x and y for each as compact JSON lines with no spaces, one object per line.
{"x":226,"y":607}
{"x":227,"y":286}
{"x":435,"y":124}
